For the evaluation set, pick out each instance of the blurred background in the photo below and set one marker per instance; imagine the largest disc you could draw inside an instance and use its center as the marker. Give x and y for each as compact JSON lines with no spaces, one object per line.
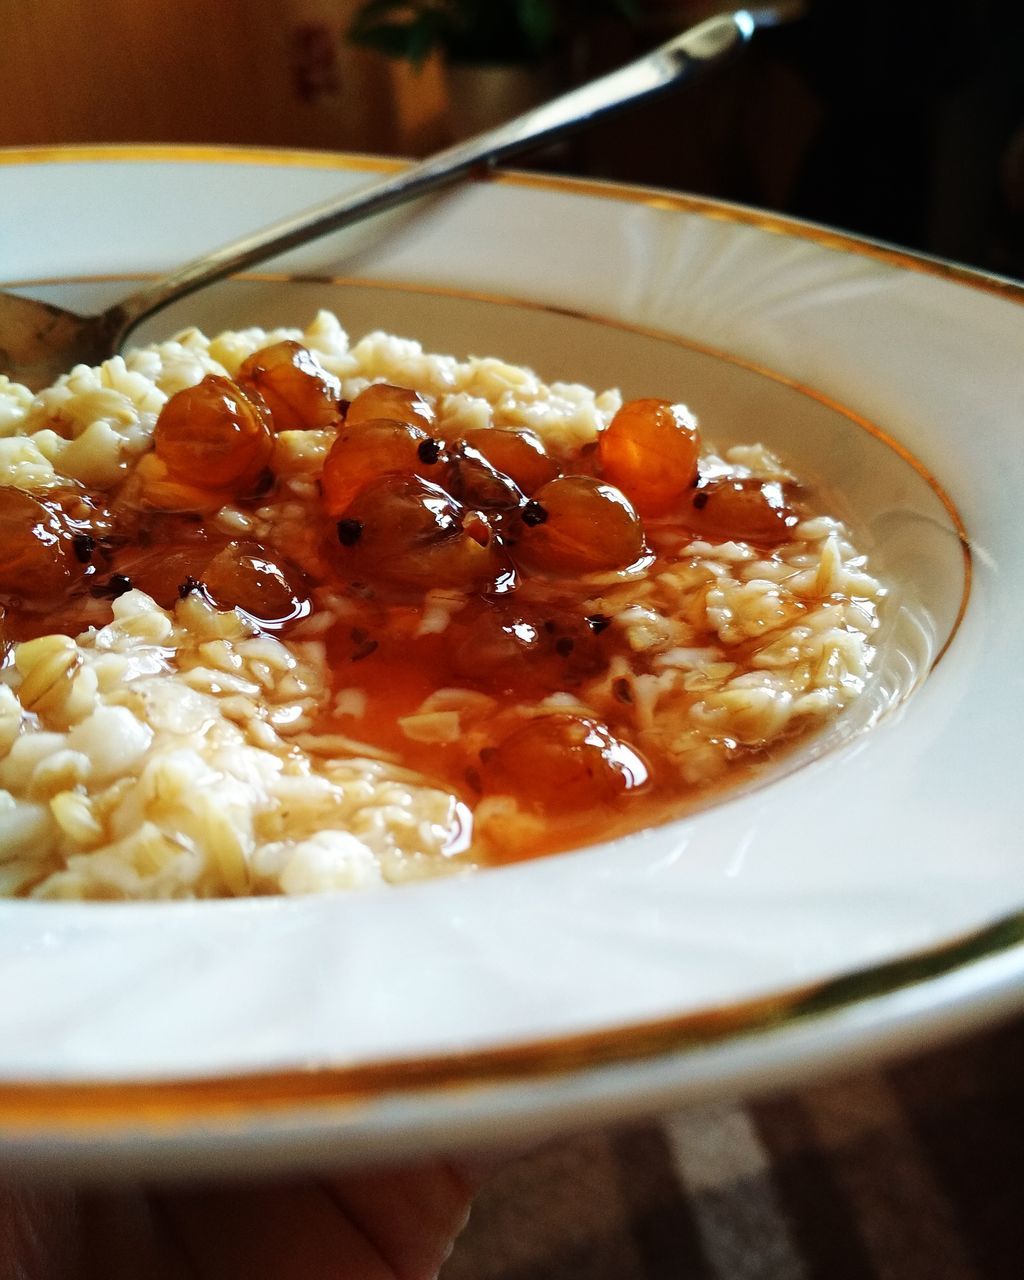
{"x":899,"y":119}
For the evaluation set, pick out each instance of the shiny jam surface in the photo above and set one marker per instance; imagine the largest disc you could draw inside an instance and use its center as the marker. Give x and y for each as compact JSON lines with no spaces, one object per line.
{"x":477,"y":564}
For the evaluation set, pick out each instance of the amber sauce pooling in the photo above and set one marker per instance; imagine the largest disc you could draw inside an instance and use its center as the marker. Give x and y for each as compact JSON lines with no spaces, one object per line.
{"x":467,"y":564}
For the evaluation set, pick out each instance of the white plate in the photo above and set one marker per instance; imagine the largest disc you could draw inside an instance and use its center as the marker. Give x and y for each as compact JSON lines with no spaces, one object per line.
{"x":860,"y":904}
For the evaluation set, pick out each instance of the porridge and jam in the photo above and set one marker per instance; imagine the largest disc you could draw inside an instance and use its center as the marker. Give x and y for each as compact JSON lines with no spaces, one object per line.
{"x":282,"y":614}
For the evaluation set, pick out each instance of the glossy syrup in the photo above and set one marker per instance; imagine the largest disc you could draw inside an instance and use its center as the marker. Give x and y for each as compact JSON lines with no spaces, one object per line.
{"x":466,"y":565}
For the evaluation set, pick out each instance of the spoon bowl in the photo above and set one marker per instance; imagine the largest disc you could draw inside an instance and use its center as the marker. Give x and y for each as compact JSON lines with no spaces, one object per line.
{"x":39,"y":341}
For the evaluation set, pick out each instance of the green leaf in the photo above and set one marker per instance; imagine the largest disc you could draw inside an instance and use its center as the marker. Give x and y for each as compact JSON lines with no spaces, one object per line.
{"x":370,"y":12}
{"x":425,"y":35}
{"x":393,"y":38}
{"x":488,"y":30}
{"x":537,"y":19}
{"x":629,"y":9}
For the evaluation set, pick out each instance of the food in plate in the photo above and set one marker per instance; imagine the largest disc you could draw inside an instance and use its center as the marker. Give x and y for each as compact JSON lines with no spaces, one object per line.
{"x":286,"y":614}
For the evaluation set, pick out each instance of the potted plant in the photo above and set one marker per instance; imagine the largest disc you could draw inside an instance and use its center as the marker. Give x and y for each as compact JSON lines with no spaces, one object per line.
{"x":497,"y":53}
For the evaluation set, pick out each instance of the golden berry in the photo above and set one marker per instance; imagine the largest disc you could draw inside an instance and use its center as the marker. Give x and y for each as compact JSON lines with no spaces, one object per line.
{"x":649,"y":450}
{"x":245,"y":575}
{"x":741,"y":510}
{"x":404,"y":530}
{"x":519,"y":453}
{"x":296,"y":388}
{"x":382,"y":400}
{"x":38,"y":544}
{"x":565,"y":761}
{"x":366,"y":451}
{"x":213,"y":436}
{"x":576,"y":524}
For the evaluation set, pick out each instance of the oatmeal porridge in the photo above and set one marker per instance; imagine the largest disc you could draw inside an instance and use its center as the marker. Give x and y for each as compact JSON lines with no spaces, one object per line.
{"x":281,"y":613}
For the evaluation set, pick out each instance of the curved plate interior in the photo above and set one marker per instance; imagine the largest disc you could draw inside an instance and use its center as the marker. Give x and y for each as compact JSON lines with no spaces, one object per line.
{"x":896,"y":840}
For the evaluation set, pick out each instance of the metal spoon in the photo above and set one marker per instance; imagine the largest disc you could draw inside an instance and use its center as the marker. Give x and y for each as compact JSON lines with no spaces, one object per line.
{"x":39,"y":341}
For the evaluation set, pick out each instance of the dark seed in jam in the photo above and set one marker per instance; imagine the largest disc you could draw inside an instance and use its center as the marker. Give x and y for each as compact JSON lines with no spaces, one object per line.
{"x":116,"y":585}
{"x":83,"y":545}
{"x":533,"y":514}
{"x":264,"y":483}
{"x":429,"y":451}
{"x":349,"y":532}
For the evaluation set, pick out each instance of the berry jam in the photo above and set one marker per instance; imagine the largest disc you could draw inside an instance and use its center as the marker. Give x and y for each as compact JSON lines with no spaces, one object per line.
{"x":476,"y":584}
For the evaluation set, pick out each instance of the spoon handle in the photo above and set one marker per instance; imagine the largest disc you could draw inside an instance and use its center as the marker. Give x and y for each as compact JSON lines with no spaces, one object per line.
{"x":678,"y":61}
